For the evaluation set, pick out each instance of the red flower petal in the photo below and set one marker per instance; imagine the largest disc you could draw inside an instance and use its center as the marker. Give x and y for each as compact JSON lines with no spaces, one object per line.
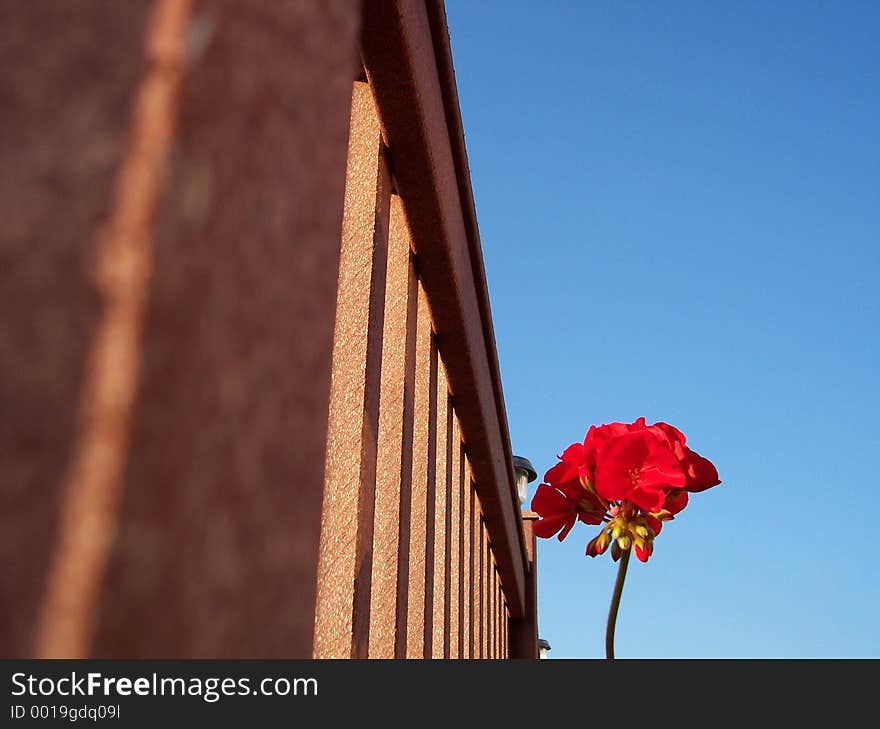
{"x":638,"y":466}
{"x":548,"y":500}
{"x":676,"y":501}
{"x":647,"y":500}
{"x":590,"y":508}
{"x":548,"y":526}
{"x":560,"y":473}
{"x":673,"y":434}
{"x":674,"y":437}
{"x":700,"y":472}
{"x":574,"y":455}
{"x":592,"y":518}
{"x":556,"y":510}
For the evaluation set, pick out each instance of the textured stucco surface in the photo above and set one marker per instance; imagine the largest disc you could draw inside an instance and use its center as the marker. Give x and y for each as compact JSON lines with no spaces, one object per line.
{"x":68,"y":75}
{"x":217,"y":546}
{"x":215,"y":549}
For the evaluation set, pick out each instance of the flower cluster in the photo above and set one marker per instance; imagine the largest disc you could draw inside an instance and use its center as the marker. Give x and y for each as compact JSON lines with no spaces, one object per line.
{"x":630,"y":478}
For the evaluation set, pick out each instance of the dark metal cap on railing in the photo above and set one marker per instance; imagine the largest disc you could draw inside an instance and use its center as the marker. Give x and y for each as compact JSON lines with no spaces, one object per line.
{"x":525,"y":474}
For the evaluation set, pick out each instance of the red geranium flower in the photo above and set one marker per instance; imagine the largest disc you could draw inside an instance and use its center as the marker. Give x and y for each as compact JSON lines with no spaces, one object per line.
{"x":630,"y":476}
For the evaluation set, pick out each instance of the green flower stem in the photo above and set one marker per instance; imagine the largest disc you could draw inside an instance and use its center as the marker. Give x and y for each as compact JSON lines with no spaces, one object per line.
{"x":615,"y":604}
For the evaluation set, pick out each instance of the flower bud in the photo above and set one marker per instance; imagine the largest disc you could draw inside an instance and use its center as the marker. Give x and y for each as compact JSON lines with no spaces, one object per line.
{"x":598,"y":544}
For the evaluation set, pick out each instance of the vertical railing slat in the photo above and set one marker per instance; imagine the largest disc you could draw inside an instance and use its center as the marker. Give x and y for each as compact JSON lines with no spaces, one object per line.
{"x":392,"y":413}
{"x":421,"y":436}
{"x":485,"y":604}
{"x":506,"y":632}
{"x":493,"y":595}
{"x":430,"y":504}
{"x":481,"y":620}
{"x":441,"y":489}
{"x":467,"y":542}
{"x":454,"y":556}
{"x":353,"y":421}
{"x":363,"y":569}
{"x":499,"y":612}
{"x":407,"y":452}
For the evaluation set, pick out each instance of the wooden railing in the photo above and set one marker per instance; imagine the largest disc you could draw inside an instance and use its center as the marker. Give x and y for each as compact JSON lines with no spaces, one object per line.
{"x":422,"y":549}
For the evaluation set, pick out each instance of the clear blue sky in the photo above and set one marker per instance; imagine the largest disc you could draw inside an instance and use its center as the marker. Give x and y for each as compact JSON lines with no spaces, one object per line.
{"x":679,"y":206}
